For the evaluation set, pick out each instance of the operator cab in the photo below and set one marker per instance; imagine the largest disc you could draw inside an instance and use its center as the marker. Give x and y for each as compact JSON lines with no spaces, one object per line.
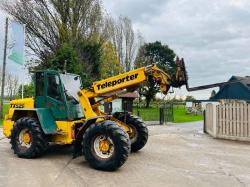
{"x":58,"y":92}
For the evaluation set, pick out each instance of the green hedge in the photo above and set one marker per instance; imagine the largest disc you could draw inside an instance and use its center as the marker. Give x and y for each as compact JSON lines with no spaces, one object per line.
{"x":5,"y":110}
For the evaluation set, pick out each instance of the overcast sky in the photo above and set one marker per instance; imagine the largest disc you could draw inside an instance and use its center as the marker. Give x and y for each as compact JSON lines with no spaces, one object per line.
{"x":212,"y":36}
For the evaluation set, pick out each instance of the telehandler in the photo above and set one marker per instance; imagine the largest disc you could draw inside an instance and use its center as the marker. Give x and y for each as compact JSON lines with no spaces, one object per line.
{"x":63,"y":112}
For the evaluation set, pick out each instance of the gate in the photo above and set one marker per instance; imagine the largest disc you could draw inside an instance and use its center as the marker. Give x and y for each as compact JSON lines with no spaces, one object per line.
{"x":166,"y":113}
{"x":160,"y":113}
{"x":169,"y":112}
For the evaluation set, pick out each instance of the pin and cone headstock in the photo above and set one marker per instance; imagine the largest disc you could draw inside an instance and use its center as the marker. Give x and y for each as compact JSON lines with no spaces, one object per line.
{"x":181,"y":77}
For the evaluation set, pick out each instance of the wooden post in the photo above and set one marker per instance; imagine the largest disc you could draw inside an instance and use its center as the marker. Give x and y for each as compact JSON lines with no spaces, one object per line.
{"x":234,"y":119}
{"x":245,"y":120}
{"x":4,"y":66}
{"x":215,"y":126}
{"x":241,"y":119}
{"x":248,"y":123}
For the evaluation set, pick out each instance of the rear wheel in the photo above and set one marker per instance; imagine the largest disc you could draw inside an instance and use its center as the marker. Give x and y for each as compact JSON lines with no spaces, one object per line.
{"x":106,"y":146}
{"x":28,"y":139}
{"x":139,"y":136}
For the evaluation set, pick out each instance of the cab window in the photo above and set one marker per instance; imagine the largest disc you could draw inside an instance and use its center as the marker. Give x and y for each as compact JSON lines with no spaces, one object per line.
{"x":53,"y":87}
{"x":39,"y":84}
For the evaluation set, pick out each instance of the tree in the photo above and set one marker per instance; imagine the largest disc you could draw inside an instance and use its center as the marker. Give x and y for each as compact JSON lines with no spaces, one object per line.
{"x":163,"y":57}
{"x":55,"y":26}
{"x":11,"y":85}
{"x":51,"y":23}
{"x":110,"y":63}
{"x":121,"y":34}
{"x":213,"y":93}
{"x":129,"y":37}
{"x":91,"y":57}
{"x":190,"y":98}
{"x":0,"y":78}
{"x":66,"y":58}
{"x":28,"y":90}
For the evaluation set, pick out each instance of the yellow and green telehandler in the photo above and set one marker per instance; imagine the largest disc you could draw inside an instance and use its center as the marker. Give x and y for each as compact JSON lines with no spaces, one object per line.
{"x":63,"y":112}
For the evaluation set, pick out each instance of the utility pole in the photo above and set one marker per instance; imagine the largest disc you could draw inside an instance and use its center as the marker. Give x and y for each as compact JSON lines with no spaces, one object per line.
{"x":4,"y":65}
{"x":22,"y":91}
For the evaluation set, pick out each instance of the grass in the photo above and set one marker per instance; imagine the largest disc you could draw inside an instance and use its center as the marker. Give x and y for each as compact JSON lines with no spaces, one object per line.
{"x":148,"y":114}
{"x":151,"y":114}
{"x":5,"y":110}
{"x":180,"y":116}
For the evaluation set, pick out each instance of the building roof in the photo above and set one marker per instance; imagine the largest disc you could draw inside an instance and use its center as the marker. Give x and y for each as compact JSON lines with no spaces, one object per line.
{"x":237,"y":90}
{"x":130,"y":95}
{"x":245,"y":81}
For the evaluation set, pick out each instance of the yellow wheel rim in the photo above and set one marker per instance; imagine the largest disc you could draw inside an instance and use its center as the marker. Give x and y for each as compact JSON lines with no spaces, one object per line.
{"x":26,"y":137}
{"x":104,"y":145}
{"x":133,"y":134}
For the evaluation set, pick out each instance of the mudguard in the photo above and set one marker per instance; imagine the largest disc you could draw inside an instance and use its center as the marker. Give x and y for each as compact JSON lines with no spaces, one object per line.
{"x":44,"y":116}
{"x":78,"y":141}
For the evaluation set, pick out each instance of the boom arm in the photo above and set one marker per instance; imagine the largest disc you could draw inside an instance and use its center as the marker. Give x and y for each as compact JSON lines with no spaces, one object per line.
{"x":182,"y":78}
{"x":133,"y":79}
{"x":110,"y":88}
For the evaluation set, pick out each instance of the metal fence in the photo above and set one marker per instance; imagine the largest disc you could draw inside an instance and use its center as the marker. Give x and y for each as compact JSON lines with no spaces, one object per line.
{"x":229,"y":120}
{"x":161,"y":113}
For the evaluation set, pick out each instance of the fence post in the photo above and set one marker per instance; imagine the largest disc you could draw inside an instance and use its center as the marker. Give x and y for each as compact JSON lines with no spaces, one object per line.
{"x":204,"y":122}
{"x":138,"y":112}
{"x":161,"y":115}
{"x":214,"y":111}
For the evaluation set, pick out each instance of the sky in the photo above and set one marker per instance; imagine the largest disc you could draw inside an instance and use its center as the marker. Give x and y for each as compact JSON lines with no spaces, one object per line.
{"x":212,"y":36}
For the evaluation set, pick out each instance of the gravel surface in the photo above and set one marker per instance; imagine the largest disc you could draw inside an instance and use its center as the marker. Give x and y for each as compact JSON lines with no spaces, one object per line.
{"x":175,"y":155}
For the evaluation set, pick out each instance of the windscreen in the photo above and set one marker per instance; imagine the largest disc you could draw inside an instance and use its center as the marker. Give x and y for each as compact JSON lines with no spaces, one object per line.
{"x":72,"y":84}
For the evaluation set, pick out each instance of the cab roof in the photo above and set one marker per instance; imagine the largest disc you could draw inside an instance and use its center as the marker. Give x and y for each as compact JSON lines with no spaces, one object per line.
{"x":52,"y":71}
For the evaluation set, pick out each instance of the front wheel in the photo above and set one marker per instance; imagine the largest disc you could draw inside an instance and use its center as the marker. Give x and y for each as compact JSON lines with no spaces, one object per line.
{"x":106,"y":146}
{"x":28,"y":139}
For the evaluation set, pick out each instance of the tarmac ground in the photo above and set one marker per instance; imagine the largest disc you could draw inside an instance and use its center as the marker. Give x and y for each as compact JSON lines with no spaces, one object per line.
{"x":175,"y":155}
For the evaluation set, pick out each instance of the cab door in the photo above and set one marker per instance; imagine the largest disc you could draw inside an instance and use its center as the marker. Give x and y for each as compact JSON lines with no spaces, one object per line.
{"x":40,"y":94}
{"x":55,"y":97}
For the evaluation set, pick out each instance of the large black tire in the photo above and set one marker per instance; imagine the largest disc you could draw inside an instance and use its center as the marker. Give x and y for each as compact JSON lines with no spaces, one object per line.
{"x":37,"y":144}
{"x":140,"y":137}
{"x":118,"y":150}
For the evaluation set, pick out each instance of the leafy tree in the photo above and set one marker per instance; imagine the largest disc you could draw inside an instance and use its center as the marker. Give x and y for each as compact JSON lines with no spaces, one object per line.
{"x":66,"y":59}
{"x":51,"y":23}
{"x":69,"y":35}
{"x":28,"y":90}
{"x":110,"y":63}
{"x":163,"y":57}
{"x":190,"y":98}
{"x":60,"y":33}
{"x":91,"y":57}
